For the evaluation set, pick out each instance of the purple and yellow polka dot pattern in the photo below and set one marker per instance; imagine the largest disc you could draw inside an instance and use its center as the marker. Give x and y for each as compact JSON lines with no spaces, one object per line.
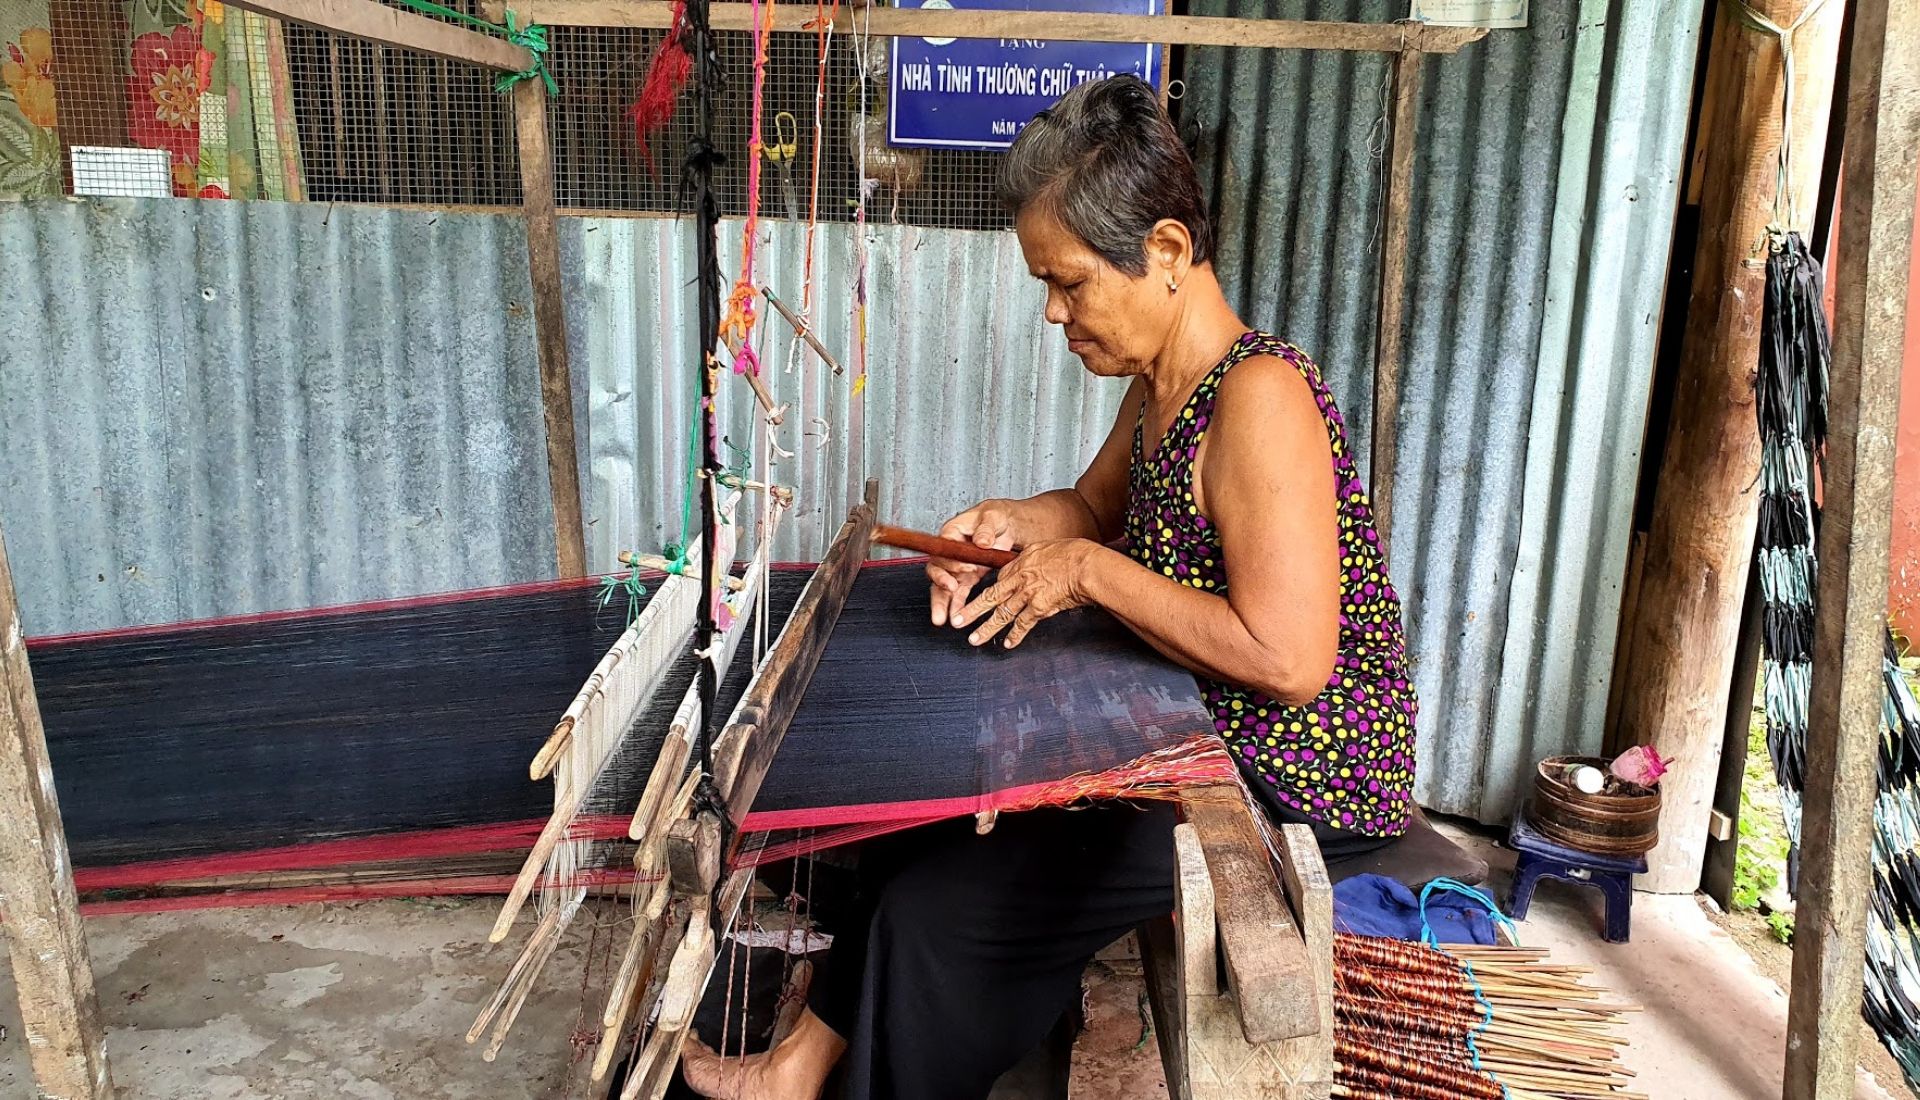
{"x":1347,"y":757}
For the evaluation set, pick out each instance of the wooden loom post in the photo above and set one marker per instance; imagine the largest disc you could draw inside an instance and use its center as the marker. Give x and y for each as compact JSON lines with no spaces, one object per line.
{"x":1266,"y":959}
{"x":1681,"y":641}
{"x":1843,"y":727}
{"x":1389,"y":335}
{"x":550,"y":324}
{"x":53,"y":977}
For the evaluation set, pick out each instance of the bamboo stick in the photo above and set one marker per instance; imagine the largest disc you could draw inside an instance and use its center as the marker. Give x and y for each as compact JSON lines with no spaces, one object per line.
{"x":547,"y":929}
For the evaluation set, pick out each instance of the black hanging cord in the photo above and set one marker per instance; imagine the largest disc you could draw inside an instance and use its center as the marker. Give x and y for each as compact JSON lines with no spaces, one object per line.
{"x":702,"y":161}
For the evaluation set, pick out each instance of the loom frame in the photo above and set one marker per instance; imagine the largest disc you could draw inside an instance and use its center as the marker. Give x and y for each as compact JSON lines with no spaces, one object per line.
{"x":55,"y":983}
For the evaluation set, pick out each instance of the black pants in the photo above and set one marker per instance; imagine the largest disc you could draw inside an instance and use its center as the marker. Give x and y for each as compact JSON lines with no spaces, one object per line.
{"x":972,"y":946}
{"x":962,"y":951}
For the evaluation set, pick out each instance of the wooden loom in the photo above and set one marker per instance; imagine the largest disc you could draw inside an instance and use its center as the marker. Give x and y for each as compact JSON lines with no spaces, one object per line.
{"x":680,"y":858}
{"x":683,"y":846}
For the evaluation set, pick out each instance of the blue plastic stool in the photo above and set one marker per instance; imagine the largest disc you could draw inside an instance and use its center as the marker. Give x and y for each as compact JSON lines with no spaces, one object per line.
{"x":1542,"y":858}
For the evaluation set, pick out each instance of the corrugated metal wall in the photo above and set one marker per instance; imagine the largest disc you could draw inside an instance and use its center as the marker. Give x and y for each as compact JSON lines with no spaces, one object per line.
{"x":220,"y":408}
{"x":212,"y":408}
{"x":209,"y":408}
{"x":970,"y":392}
{"x":1547,"y":177}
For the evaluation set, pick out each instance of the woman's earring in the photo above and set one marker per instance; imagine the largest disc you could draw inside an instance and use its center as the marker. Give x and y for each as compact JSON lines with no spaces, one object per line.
{"x":1172,"y":287}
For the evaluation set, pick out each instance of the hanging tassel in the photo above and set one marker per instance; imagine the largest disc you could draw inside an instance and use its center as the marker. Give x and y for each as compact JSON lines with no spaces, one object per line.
{"x":667,"y":73}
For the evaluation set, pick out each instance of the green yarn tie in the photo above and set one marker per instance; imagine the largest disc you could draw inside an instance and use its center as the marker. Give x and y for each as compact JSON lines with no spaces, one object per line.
{"x":532,"y":38}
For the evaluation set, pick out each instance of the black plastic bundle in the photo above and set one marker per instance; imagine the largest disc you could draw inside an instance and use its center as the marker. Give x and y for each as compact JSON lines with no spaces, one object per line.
{"x":1791,"y":400}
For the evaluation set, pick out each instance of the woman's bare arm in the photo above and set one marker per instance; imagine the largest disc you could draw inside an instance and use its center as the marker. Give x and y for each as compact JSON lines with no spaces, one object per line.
{"x":1266,"y":482}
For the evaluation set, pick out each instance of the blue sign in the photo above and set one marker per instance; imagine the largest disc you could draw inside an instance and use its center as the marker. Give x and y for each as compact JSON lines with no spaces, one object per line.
{"x":978,"y":93}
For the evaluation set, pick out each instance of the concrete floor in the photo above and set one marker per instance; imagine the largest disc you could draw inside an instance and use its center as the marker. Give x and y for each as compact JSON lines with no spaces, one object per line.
{"x":372,"y":1001}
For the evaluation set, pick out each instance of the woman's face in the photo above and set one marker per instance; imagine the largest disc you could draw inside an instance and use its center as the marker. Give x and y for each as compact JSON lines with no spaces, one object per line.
{"x":1114,"y":322}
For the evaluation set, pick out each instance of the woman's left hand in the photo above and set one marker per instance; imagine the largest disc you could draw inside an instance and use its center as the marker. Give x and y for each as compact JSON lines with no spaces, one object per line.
{"x":1046,"y":579}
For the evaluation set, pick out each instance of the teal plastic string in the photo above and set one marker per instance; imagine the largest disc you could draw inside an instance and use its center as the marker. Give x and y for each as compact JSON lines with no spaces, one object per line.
{"x":1452,"y":886}
{"x":1427,"y":937}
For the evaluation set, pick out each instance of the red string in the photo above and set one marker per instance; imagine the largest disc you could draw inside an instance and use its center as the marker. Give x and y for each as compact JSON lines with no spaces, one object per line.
{"x":667,"y":73}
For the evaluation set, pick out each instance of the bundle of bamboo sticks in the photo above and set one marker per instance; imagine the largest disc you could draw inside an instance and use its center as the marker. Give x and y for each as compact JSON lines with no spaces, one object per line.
{"x":1470,"y":1023}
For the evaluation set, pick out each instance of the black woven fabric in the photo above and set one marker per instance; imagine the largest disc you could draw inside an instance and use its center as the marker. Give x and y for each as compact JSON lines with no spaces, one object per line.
{"x":197,"y":740}
{"x":204,"y":740}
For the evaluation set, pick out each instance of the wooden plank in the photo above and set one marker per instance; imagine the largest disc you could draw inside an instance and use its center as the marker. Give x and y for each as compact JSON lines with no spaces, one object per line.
{"x":1843,"y":727}
{"x":550,"y":325}
{"x":1699,"y":548}
{"x":693,"y":855}
{"x":1194,"y":926}
{"x":1167,"y":998}
{"x":1266,"y":960}
{"x":1390,"y":327}
{"x":372,"y":22}
{"x":1716,"y":871}
{"x":746,"y":748}
{"x":1303,"y":875}
{"x":1055,"y":26}
{"x":52,"y":975}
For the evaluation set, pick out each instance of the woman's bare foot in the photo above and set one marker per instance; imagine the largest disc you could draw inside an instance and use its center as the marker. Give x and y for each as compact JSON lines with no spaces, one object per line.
{"x":794,"y":1070}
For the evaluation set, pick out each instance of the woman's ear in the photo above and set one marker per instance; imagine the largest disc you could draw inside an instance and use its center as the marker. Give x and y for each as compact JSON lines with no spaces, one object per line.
{"x":1169,"y":252}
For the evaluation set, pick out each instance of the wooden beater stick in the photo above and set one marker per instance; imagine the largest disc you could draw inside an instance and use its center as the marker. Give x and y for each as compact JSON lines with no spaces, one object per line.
{"x":900,"y":538}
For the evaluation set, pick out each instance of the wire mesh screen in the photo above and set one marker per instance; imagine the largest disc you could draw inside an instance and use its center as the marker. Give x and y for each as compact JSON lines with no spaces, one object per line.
{"x":195,"y":98}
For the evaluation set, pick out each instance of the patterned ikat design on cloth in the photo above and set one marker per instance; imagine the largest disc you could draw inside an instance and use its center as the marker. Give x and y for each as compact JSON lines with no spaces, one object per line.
{"x":1347,"y":757}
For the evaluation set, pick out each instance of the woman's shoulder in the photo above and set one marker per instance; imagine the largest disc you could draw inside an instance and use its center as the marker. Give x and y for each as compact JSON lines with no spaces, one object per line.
{"x":1269,"y":370}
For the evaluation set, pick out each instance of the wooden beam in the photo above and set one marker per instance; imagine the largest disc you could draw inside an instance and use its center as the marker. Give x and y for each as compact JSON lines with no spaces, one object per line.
{"x":1267,"y":965}
{"x":1052,"y":26}
{"x":1390,"y":327}
{"x":550,"y":325}
{"x":1303,"y":873}
{"x":1700,"y":545}
{"x":1716,"y":875}
{"x":1843,"y":726}
{"x":744,"y":751}
{"x":365,"y":19}
{"x":52,"y":975}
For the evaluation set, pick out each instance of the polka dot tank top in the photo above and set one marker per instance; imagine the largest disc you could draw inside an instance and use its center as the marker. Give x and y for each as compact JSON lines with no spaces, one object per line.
{"x":1345,"y":759}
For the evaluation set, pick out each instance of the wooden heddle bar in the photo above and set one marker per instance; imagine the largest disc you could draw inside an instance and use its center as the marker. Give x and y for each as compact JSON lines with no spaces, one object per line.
{"x":670,"y":956}
{"x":1054,"y":26}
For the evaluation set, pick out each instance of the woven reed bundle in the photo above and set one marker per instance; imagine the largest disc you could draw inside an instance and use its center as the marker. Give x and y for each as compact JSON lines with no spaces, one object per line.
{"x":1470,"y":1023}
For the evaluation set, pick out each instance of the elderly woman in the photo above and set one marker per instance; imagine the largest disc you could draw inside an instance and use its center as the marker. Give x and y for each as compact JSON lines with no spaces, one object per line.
{"x":1250,"y":557}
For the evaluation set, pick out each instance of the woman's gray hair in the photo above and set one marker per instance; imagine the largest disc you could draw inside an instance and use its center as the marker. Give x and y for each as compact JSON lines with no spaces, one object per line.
{"x":1106,"y":161}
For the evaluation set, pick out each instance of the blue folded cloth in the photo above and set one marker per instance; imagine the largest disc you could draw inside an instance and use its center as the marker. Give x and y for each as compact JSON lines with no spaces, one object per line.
{"x":1444,"y":912}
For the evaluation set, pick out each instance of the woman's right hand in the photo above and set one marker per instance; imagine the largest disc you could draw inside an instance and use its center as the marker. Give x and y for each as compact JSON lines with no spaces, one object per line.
{"x":989,"y":523}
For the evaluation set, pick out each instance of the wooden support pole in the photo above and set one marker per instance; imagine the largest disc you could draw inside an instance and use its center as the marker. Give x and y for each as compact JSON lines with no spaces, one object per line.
{"x":1059,"y":26}
{"x":373,"y":22}
{"x":1844,"y":714}
{"x":550,"y":325}
{"x":38,"y":910}
{"x":1694,"y":572}
{"x":1389,"y":340}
